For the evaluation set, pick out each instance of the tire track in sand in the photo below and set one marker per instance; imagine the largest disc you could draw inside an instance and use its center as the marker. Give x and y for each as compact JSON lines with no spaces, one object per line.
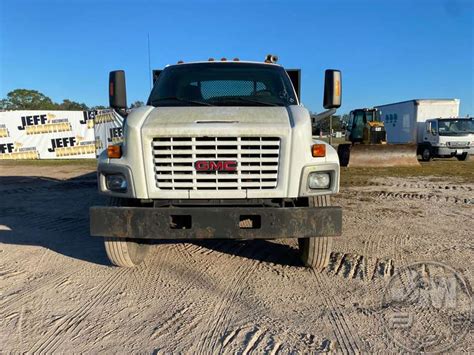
{"x":349,"y":341}
{"x":67,"y":325}
{"x":185,"y":316}
{"x":220,"y":316}
{"x":29,"y":291}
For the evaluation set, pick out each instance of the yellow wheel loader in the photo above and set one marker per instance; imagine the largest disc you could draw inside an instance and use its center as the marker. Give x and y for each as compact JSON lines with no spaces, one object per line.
{"x":368,"y":143}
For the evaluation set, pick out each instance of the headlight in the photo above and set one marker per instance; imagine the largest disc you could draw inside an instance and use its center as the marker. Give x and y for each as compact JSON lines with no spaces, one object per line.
{"x":116,"y":182}
{"x":319,"y":180}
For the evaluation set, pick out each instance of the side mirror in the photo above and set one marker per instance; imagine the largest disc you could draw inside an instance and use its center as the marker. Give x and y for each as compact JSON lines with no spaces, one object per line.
{"x":117,"y":90}
{"x":428,"y":127}
{"x":332,"y":89}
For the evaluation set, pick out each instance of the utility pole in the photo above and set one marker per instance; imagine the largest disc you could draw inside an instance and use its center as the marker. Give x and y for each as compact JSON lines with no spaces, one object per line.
{"x":149,"y":60}
{"x":330,"y":129}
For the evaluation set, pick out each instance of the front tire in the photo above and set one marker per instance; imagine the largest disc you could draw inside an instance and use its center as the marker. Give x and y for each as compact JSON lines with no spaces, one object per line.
{"x":463,"y":157}
{"x":315,"y":252}
{"x":426,"y":153}
{"x":124,"y":252}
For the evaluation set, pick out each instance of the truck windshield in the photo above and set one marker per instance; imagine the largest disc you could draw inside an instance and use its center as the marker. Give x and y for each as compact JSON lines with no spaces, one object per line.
{"x":455,"y":127}
{"x":223,"y":84}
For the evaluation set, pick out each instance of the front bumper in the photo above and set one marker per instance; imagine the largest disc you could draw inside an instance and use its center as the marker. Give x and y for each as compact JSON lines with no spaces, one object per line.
{"x":452,"y":151}
{"x":215,"y":222}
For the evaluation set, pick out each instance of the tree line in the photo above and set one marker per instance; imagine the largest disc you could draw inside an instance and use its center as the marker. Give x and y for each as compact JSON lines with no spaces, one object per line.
{"x":339,"y":123}
{"x":25,"y":99}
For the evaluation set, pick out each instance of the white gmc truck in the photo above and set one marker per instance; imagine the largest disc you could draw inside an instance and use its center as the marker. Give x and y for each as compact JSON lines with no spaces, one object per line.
{"x":222,"y":150}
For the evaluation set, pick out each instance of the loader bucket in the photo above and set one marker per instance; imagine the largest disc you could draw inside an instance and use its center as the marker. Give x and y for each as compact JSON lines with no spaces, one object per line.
{"x":381,"y":155}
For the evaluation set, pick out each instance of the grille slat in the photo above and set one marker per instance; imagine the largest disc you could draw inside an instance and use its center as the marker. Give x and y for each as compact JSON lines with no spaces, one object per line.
{"x":192,"y":160}
{"x":215,"y":151}
{"x":193,"y":143}
{"x":257,"y":162}
{"x":220,"y":176}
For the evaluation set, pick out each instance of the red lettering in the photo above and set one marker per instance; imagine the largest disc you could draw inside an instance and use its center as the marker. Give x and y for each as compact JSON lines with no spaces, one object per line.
{"x":202,"y":165}
{"x":205,"y":165}
{"x":230,"y":165}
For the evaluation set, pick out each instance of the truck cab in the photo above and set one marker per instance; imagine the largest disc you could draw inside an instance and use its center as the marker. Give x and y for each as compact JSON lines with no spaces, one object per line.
{"x":448,"y":137}
{"x":223,"y":149}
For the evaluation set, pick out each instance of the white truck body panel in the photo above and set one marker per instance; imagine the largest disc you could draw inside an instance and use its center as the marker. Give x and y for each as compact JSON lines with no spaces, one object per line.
{"x":404,"y":121}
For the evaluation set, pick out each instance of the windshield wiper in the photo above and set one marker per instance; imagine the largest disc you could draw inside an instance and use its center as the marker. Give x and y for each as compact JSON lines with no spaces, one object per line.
{"x":245,"y":99}
{"x":174,"y":98}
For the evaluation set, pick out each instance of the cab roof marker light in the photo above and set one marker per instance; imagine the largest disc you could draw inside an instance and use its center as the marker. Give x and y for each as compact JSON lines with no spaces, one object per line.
{"x":271,"y":58}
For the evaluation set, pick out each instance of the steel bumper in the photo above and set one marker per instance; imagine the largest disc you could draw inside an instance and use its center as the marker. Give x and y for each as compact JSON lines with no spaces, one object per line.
{"x":213,"y":222}
{"x":452,"y":151}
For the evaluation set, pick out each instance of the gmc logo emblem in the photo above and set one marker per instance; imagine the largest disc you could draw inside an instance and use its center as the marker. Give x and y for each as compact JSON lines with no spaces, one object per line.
{"x":208,"y":165}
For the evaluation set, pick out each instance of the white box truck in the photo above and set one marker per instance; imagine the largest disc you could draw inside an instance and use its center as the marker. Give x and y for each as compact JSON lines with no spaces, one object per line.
{"x":223,"y":149}
{"x":434,"y":125}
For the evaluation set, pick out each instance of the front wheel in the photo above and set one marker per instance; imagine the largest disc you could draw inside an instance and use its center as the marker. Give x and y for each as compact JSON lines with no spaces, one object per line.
{"x":315,"y":252}
{"x":463,"y":157}
{"x":426,"y":154}
{"x":124,"y":252}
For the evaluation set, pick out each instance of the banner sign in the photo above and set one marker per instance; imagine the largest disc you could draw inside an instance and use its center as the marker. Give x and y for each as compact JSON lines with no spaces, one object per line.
{"x":57,"y":134}
{"x":108,"y":127}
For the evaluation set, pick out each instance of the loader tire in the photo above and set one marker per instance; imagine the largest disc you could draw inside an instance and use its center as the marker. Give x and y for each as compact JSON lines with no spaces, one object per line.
{"x":343,"y":152}
{"x":463,"y":157}
{"x":315,"y":252}
{"x":124,"y":252}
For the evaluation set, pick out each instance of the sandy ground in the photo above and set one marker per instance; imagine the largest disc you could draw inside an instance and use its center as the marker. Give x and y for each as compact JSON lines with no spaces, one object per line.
{"x":58,"y":292}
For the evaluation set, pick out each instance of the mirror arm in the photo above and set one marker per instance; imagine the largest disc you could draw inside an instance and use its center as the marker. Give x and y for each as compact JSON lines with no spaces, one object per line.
{"x":323,"y":115}
{"x":121,"y":111}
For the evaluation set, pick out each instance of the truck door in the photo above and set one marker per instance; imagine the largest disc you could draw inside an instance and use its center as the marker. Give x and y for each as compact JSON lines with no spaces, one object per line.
{"x":358,"y":125}
{"x":431,"y":132}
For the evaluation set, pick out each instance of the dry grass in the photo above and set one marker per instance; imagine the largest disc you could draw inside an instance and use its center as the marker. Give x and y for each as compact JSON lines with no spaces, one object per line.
{"x":460,"y":171}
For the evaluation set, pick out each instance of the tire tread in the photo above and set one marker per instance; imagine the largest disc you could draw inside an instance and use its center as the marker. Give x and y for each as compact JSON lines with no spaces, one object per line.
{"x":119,"y":250}
{"x":315,"y":252}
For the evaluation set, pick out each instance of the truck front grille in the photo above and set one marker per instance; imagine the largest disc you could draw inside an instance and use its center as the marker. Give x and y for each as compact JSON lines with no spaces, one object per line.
{"x":256,"y":158}
{"x":455,"y":144}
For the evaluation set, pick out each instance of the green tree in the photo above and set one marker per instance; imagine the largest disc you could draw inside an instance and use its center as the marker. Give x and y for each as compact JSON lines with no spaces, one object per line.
{"x":69,"y":105}
{"x":337,"y":124}
{"x":24,"y":99}
{"x":137,"y":104}
{"x":98,"y":107}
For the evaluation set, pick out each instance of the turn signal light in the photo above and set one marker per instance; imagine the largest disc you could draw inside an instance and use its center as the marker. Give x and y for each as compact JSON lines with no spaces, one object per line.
{"x":318,"y":150}
{"x":114,"y":151}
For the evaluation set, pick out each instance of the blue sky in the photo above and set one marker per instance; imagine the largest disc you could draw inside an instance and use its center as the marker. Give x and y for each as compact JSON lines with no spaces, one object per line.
{"x":388,"y":50}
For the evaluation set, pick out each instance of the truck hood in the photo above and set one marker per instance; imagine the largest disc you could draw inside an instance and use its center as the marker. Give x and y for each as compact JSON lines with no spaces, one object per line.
{"x":169,"y":120}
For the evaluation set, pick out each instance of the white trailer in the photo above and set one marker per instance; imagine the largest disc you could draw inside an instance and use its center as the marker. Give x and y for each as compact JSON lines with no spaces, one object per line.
{"x":434,"y":125}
